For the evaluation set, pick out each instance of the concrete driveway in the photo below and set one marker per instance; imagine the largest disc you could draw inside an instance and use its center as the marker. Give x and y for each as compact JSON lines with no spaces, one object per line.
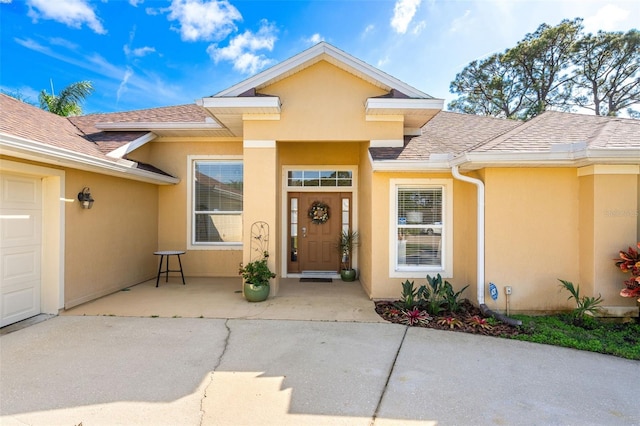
{"x":100,"y":370}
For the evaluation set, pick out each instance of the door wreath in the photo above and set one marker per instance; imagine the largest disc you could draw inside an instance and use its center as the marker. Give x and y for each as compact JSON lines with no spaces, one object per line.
{"x":319,"y":212}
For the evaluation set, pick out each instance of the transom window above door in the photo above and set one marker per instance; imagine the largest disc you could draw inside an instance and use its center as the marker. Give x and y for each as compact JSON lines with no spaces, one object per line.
{"x":320,"y":178}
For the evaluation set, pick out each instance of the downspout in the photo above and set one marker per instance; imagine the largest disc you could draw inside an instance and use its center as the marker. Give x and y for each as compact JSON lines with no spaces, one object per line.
{"x":480,"y":249}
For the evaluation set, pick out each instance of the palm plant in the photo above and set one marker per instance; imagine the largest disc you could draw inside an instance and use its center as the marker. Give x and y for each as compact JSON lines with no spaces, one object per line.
{"x":66,"y":103}
{"x":584,"y":304}
{"x":347,"y":241}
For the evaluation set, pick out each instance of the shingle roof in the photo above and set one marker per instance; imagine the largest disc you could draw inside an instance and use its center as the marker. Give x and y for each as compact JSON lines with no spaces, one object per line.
{"x":28,"y":122}
{"x":455,"y":134}
{"x":110,"y":140}
{"x":552,"y":127}
{"x":19,"y":119}
{"x":188,"y":113}
{"x":447,"y":132}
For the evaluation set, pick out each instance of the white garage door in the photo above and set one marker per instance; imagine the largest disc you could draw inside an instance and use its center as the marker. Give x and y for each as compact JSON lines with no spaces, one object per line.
{"x":20,"y":247}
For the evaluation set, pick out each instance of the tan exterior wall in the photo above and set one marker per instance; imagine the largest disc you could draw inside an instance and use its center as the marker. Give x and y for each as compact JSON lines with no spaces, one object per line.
{"x":382,"y":285}
{"x":110,"y":246}
{"x":172,"y":156}
{"x":532,"y":236}
{"x":608,"y":224}
{"x":322,"y":103}
{"x":260,"y":205}
{"x":366,"y":234}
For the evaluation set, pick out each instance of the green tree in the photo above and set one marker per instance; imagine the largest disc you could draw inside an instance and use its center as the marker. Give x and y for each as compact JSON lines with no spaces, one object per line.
{"x":544,"y":59}
{"x":67,"y":103}
{"x":607,"y":78}
{"x":490,"y":87}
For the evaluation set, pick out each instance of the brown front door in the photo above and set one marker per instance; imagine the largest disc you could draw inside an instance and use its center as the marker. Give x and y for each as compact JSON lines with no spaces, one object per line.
{"x":313,"y":245}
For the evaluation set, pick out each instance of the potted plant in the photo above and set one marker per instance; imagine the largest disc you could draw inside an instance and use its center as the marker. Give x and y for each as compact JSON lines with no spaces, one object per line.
{"x":256,"y":276}
{"x":347,"y":241}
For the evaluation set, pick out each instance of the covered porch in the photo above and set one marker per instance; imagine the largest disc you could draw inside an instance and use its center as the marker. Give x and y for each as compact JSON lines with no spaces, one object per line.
{"x":222,"y":298}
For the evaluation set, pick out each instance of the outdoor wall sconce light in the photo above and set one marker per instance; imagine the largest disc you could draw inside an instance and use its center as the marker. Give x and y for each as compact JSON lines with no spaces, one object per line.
{"x":85,"y":199}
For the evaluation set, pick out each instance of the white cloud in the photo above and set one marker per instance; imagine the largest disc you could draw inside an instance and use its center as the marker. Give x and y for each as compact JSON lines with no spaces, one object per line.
{"x":5,"y":1}
{"x":139,"y":52}
{"x":123,"y":84}
{"x":59,"y":41}
{"x":315,"y":39}
{"x":242,"y":49}
{"x":419,"y":28}
{"x":128,"y":82}
{"x":368,"y":29}
{"x":403,"y":13}
{"x":382,"y":62}
{"x":460,"y":22}
{"x":203,"y":19}
{"x":607,"y":18}
{"x":73,"y":13}
{"x":32,"y":45}
{"x":135,"y":3}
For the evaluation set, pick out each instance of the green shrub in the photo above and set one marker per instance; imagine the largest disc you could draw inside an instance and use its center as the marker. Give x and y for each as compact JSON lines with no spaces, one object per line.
{"x":584,"y":304}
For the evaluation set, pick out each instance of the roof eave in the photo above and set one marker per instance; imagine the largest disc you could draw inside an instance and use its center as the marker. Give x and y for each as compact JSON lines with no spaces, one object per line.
{"x":142,"y":126}
{"x":478,"y":160}
{"x":402,"y":105}
{"x":36,"y":151}
{"x":242,"y":105}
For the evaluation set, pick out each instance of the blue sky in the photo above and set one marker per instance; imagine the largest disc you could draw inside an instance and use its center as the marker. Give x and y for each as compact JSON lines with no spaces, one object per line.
{"x":150,"y":53}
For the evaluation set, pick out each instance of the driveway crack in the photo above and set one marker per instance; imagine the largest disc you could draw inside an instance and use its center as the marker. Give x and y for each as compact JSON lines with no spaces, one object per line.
{"x":386,"y":384}
{"x":215,"y":368}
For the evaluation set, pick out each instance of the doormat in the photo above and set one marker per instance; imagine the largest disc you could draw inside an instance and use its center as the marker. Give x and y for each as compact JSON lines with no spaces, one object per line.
{"x":316,"y":280}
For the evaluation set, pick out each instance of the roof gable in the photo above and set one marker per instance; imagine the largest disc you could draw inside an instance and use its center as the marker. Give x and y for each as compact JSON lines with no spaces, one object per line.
{"x":323,"y":51}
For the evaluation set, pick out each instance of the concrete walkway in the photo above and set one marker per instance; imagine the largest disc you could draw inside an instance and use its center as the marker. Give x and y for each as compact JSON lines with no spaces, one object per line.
{"x":103,"y":370}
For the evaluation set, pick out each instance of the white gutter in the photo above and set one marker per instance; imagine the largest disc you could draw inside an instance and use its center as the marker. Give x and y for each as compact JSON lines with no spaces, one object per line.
{"x":31,"y":150}
{"x":480,"y":249}
{"x":208,"y":124}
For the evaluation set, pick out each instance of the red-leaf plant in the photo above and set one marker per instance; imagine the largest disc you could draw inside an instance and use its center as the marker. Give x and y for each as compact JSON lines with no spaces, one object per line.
{"x":479,"y":322}
{"x":630,"y":262}
{"x":415,"y":316}
{"x":451,"y":322}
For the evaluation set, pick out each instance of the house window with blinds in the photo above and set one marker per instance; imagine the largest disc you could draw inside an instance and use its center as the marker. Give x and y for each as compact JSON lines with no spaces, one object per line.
{"x":217,"y":202}
{"x":419,"y":228}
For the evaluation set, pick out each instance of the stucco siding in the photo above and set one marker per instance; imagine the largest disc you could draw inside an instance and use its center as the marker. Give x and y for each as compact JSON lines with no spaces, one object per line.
{"x":383,"y":285}
{"x":532,"y":235}
{"x":322,"y":103}
{"x":172,"y":155}
{"x":110,"y":246}
{"x":615,"y":228}
{"x":318,"y":153}
{"x":366,"y":230}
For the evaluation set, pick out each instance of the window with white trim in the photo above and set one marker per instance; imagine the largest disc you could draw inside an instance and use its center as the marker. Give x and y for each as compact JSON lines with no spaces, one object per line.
{"x":421,"y":231}
{"x":217,"y":202}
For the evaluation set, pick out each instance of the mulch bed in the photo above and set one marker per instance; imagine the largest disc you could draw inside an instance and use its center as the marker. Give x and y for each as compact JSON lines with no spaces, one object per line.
{"x":392,"y":312}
